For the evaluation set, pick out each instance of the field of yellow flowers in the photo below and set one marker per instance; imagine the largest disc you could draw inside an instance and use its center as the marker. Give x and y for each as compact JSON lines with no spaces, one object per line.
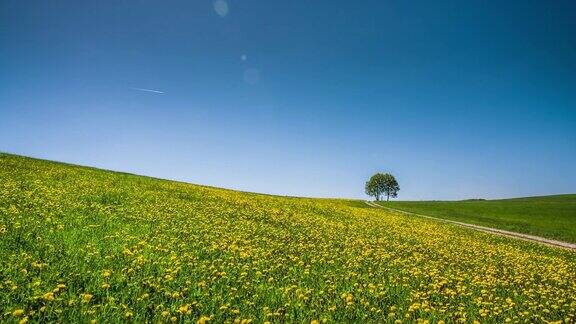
{"x":79,"y":244}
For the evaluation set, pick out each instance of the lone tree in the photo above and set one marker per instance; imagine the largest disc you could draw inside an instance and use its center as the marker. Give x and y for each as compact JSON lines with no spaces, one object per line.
{"x":382,"y":184}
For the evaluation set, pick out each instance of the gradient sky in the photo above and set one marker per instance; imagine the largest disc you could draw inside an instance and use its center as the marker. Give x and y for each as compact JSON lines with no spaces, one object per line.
{"x":458,"y":99}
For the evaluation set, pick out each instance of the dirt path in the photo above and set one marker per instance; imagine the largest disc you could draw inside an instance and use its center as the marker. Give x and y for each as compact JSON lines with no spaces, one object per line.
{"x":526,"y":237}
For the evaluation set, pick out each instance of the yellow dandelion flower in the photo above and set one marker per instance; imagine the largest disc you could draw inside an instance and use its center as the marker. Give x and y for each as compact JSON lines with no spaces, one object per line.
{"x":48,"y":296}
{"x":18,"y":312}
{"x":184,"y":309}
{"x":86,"y":298}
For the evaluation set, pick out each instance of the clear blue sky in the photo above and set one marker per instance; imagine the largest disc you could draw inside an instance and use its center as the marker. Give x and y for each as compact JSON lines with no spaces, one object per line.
{"x":458,"y":99}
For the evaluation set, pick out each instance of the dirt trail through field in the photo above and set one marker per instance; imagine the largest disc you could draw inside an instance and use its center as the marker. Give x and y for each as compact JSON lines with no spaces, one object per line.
{"x":531,"y":238}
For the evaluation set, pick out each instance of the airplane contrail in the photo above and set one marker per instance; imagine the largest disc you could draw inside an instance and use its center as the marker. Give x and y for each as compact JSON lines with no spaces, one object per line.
{"x":148,"y":90}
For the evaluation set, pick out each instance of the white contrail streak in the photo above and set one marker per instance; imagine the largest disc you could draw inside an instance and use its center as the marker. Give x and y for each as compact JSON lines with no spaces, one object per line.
{"x":148,"y":90}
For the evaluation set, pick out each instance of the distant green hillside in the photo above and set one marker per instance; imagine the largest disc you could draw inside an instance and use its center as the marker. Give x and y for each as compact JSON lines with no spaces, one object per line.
{"x":548,"y":216}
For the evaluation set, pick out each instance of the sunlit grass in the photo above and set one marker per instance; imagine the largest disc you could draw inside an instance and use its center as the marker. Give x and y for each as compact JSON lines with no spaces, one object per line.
{"x":79,"y":244}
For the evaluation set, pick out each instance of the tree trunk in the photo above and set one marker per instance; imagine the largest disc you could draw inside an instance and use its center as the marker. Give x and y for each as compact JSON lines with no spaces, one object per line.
{"x":388,"y":197}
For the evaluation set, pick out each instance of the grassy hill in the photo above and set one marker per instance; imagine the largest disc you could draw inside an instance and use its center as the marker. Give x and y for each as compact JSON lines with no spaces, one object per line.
{"x":548,"y":216}
{"x":80,"y":244}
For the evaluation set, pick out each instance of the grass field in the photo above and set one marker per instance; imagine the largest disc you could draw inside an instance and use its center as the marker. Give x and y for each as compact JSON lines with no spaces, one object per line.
{"x":548,"y":216}
{"x":79,"y":244}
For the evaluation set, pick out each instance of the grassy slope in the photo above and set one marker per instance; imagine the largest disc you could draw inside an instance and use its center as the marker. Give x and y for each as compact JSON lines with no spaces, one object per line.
{"x":548,"y":216}
{"x":79,"y":243}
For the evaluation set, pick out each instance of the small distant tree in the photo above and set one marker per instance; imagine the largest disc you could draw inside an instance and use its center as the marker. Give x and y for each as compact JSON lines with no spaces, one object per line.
{"x":382,"y":184}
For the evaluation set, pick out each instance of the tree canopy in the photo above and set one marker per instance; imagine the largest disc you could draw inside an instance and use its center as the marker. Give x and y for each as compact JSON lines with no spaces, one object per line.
{"x":382,"y":184}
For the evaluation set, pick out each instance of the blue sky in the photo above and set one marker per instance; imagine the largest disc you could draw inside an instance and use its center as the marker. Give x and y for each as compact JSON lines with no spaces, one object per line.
{"x":308,"y":98}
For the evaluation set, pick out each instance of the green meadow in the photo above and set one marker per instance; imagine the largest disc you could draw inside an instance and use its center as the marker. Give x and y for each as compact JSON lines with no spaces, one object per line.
{"x":548,"y":216}
{"x":83,"y":245}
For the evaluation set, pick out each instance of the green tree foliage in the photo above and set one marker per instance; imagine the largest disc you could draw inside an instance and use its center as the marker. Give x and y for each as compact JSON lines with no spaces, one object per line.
{"x":382,"y":184}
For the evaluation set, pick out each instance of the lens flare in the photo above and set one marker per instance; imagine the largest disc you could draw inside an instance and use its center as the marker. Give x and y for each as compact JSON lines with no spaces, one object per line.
{"x":221,"y":8}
